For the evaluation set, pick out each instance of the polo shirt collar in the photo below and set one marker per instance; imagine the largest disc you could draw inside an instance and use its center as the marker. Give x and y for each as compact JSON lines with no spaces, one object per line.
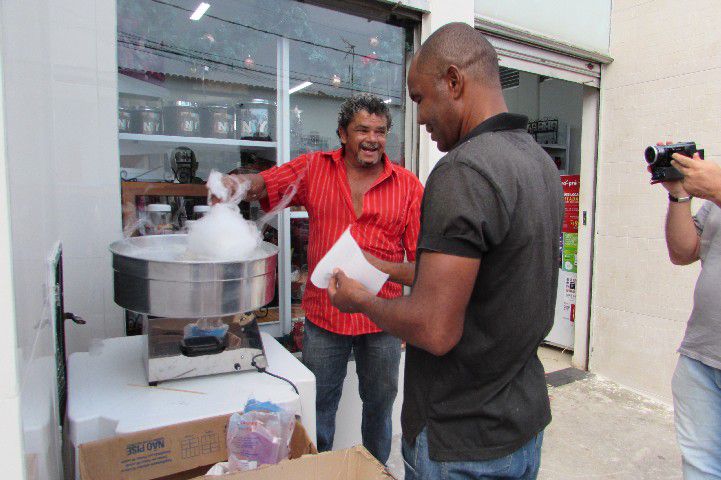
{"x":501,"y":121}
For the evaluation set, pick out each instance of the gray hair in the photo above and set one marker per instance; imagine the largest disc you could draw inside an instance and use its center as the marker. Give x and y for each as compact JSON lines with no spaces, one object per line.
{"x":358,"y":103}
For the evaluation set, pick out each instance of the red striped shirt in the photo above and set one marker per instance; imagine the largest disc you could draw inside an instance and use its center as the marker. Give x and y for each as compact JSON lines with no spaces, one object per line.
{"x":388,"y":227}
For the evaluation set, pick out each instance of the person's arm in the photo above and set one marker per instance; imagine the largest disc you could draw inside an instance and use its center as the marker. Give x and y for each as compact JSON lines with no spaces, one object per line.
{"x":432,"y":317}
{"x":682,"y":239}
{"x":257,"y":190}
{"x":464,"y":216}
{"x":286,"y":184}
{"x":232,"y":181}
{"x":271,"y":186}
{"x":402,"y":273}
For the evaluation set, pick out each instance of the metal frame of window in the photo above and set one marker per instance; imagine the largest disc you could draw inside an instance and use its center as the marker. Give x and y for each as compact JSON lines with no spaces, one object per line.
{"x":543,"y":56}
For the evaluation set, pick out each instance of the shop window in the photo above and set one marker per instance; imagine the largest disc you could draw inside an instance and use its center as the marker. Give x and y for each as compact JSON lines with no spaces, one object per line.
{"x":242,"y":86}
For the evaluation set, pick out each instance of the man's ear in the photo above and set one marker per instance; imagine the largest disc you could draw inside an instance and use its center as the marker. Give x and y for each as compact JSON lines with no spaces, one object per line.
{"x":455,"y":81}
{"x":343,"y":135}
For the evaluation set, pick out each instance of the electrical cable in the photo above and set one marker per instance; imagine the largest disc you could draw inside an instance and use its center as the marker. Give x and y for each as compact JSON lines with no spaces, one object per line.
{"x":263,"y":370}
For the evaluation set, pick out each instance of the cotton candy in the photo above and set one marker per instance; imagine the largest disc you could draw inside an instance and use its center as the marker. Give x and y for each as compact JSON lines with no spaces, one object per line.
{"x":223,"y":234}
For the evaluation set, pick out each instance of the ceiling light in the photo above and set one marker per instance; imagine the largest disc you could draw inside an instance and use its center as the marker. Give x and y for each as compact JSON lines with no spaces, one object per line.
{"x":200,"y":11}
{"x":300,"y":86}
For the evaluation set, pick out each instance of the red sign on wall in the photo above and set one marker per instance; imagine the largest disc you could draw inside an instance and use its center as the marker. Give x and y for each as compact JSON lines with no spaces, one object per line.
{"x":571,"y":185}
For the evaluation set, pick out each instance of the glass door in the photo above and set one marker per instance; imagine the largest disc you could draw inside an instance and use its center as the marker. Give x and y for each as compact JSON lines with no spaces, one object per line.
{"x":333,"y":55}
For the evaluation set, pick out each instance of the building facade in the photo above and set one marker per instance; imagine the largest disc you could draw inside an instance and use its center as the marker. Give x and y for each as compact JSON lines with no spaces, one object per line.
{"x":631,"y":82}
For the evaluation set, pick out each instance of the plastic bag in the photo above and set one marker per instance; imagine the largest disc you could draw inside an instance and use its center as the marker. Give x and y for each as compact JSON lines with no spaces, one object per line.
{"x":258,"y":436}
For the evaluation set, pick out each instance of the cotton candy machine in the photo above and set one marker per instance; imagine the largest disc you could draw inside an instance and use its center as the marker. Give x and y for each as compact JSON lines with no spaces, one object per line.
{"x":194,"y":309}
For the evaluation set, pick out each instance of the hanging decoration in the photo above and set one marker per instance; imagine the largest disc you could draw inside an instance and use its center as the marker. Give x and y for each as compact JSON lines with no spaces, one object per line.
{"x":374,"y":42}
{"x":335,"y":80}
{"x":369,"y":59}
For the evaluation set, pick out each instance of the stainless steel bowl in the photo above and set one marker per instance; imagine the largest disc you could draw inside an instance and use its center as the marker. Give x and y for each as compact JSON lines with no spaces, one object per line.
{"x":185,"y":288}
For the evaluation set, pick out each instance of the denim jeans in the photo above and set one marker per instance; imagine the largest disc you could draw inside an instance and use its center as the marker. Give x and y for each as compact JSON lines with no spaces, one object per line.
{"x":523,"y":464}
{"x":697,"y":408}
{"x":377,"y":357}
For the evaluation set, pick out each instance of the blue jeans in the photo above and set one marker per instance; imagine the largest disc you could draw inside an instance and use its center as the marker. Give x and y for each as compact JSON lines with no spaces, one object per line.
{"x":377,"y":357}
{"x":697,"y":408}
{"x":523,"y":464}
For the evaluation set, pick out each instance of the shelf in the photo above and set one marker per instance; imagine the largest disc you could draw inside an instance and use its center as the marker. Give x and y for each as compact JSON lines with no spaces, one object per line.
{"x":553,"y":146}
{"x":130,"y":190}
{"x":139,"y":144}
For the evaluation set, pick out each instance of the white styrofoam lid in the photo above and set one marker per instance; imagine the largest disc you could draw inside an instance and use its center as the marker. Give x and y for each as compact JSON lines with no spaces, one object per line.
{"x":110,"y":383}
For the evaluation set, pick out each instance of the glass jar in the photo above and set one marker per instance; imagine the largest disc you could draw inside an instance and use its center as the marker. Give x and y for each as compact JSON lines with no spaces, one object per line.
{"x":147,"y":120}
{"x":217,"y":121}
{"x":159,"y":219}
{"x":181,"y":118}
{"x":255,"y":120}
{"x":124,"y":120}
{"x":199,"y":211}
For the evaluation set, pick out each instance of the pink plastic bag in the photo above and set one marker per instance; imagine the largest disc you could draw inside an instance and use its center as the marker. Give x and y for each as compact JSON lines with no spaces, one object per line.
{"x":258,"y":437}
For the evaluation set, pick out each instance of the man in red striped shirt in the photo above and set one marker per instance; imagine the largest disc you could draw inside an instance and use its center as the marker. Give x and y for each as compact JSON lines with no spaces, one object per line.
{"x":354,"y":186}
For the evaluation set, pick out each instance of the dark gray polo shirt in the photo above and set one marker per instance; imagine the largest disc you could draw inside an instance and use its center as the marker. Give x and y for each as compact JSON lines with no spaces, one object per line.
{"x":496,"y":196}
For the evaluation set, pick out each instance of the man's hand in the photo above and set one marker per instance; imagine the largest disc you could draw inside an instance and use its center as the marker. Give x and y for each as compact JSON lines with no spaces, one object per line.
{"x":402,"y":272}
{"x":701,"y":178}
{"x":233,"y":181}
{"x":345,"y":293}
{"x":674,"y":187}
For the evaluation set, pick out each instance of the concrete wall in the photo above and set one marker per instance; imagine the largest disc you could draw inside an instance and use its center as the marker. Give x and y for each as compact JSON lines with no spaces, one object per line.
{"x":582,"y":23}
{"x":664,"y":83}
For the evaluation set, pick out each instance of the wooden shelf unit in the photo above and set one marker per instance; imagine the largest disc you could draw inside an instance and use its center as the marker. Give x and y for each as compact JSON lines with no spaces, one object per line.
{"x":129,"y":191}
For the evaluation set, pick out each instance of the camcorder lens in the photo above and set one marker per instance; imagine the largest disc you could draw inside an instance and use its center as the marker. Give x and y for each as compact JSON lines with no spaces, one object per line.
{"x":651,"y":154}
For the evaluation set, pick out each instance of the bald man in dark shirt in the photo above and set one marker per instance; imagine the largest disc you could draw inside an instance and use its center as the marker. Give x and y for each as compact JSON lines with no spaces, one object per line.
{"x":475,"y":398}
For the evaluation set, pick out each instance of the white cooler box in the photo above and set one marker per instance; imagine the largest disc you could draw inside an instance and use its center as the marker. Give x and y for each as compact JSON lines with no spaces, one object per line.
{"x":108,"y":393}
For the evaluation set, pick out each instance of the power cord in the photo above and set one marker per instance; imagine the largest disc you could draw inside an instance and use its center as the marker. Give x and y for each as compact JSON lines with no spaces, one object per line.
{"x":263,"y":370}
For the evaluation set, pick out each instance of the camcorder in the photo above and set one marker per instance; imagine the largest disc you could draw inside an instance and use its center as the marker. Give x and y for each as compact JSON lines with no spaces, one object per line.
{"x":659,"y":159}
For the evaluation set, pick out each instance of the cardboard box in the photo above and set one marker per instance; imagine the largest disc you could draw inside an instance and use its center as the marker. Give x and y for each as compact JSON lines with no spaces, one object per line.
{"x":354,"y":463}
{"x":177,"y":452}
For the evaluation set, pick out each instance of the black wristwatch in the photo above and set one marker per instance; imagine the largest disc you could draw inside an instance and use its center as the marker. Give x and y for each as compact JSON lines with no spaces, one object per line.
{"x":671,"y":198}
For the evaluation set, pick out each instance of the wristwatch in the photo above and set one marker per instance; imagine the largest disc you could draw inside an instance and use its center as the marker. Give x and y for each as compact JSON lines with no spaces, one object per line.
{"x":671,"y":198}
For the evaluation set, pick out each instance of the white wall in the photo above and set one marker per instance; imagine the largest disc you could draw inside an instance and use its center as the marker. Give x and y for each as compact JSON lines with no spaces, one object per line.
{"x":12,"y":443}
{"x":443,"y":12}
{"x":564,"y":100}
{"x":524,"y":99}
{"x":663,"y":84}
{"x":581,"y":23}
{"x":551,"y":98}
{"x":59,"y":74}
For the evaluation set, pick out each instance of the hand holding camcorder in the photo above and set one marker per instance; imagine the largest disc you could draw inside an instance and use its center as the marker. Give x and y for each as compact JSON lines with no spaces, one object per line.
{"x":659,"y":159}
